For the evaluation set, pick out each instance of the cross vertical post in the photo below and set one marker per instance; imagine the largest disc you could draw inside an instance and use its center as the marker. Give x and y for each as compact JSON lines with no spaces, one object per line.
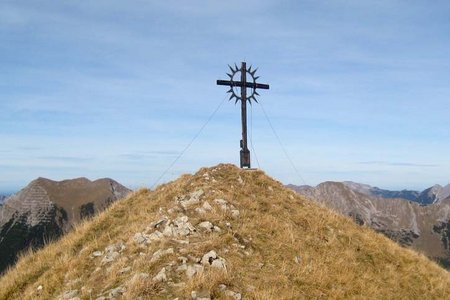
{"x":245,"y":153}
{"x":243,"y":84}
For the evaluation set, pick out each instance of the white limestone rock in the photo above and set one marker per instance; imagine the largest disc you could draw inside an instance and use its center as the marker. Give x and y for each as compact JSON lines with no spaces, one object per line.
{"x":212,"y":259}
{"x":110,"y":257}
{"x":183,"y":259}
{"x":118,"y":247}
{"x":154,"y":236}
{"x":200,"y":210}
{"x":193,"y":198}
{"x":140,"y":238}
{"x":194,"y":269}
{"x":206,"y":226}
{"x":223,"y":204}
{"x":161,"y":276}
{"x":209,"y":257}
{"x":219,"y":263}
{"x":235,"y":213}
{"x":206,"y":207}
{"x":96,"y":254}
{"x":160,"y":253}
{"x":233,"y":295}
{"x":116,"y":292}
{"x":203,"y":295}
{"x":180,"y":227}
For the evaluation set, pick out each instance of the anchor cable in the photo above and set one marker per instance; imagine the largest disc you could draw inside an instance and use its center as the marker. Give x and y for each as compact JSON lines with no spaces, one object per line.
{"x":251,"y":135}
{"x":190,"y":143}
{"x":281,"y":145}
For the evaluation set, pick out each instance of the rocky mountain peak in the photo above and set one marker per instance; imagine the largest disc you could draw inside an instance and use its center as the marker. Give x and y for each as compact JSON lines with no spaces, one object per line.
{"x":46,"y":209}
{"x":362,"y":188}
{"x":435,"y":194}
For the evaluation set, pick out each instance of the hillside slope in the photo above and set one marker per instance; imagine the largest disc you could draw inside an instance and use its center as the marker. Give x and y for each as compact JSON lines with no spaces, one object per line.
{"x":424,"y":228}
{"x":223,"y":233}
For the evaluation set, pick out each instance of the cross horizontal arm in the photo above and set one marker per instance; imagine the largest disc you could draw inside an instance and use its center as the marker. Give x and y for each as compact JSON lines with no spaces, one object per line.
{"x":247,"y":84}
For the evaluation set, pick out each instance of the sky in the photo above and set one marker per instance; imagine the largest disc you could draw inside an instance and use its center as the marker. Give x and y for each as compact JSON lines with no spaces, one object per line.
{"x":359,"y":90}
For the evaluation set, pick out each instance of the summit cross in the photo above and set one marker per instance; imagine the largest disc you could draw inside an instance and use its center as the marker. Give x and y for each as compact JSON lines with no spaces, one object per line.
{"x":243,"y":84}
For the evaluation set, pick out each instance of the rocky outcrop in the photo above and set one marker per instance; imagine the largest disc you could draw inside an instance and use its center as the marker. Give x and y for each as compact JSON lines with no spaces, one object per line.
{"x":434,"y":194}
{"x":424,"y":228}
{"x":178,"y":263}
{"x":46,"y":209}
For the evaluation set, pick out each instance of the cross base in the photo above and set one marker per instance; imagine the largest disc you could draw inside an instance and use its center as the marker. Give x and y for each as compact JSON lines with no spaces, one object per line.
{"x":245,"y":158}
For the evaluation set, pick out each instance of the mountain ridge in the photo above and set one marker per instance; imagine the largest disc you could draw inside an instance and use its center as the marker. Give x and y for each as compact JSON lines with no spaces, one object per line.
{"x":431,"y":195}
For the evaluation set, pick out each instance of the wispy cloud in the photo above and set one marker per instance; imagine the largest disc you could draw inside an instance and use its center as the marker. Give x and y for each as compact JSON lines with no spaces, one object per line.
{"x":64,"y":158}
{"x":398,"y":164}
{"x":147,"y":154}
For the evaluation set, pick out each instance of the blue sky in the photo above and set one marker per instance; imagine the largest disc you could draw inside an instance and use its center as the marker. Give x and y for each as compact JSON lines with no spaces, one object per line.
{"x":359,"y":89}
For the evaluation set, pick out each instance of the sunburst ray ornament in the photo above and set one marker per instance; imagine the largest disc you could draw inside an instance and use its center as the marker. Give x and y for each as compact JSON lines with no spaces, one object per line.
{"x":239,"y":86}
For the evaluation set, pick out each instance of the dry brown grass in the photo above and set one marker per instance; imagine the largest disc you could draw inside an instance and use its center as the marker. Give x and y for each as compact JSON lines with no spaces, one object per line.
{"x":336,"y":258}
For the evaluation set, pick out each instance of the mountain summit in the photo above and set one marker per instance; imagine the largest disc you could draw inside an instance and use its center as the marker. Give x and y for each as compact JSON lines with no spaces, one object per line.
{"x":46,"y":209}
{"x":223,"y":233}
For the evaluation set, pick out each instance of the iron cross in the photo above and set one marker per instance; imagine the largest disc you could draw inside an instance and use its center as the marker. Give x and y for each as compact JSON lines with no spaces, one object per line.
{"x":243,"y":84}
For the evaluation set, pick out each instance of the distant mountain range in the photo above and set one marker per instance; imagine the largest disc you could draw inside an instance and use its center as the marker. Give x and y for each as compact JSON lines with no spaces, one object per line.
{"x":416,"y":219}
{"x":432,"y":195}
{"x":46,"y":209}
{"x":377,"y":192}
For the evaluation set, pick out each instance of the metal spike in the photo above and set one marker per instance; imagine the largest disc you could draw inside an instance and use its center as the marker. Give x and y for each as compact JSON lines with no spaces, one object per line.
{"x":256,"y":93}
{"x":237,"y":69}
{"x":255,"y":100}
{"x":229,"y":75}
{"x":250,"y":70}
{"x":231,"y":68}
{"x":231,"y":97}
{"x":236,"y":101}
{"x":256,"y":78}
{"x":230,"y":91}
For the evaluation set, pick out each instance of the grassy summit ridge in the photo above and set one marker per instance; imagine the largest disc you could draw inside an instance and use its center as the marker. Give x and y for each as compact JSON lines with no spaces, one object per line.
{"x":223,"y":233}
